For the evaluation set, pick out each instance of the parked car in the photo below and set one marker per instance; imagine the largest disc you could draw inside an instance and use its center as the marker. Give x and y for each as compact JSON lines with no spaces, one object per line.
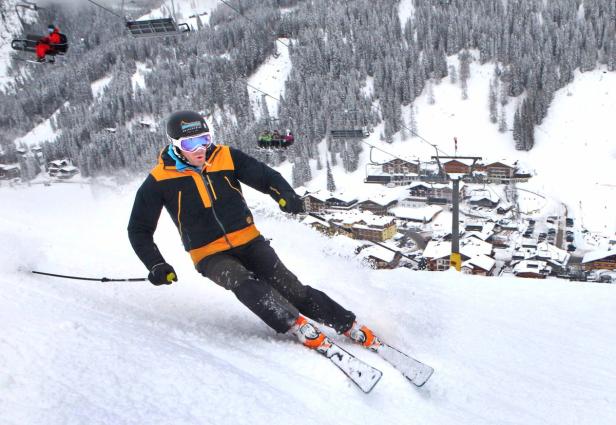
{"x":571,"y":247}
{"x":570,"y":238}
{"x":569,"y":222}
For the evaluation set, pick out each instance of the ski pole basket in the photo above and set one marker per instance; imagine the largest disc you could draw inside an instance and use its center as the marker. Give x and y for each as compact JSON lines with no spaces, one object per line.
{"x":156,"y":28}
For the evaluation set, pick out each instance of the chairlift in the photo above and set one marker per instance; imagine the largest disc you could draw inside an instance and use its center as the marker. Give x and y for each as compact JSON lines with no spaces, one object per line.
{"x":148,"y":28}
{"x":28,"y":44}
{"x":349,"y":133}
{"x":346,"y":133}
{"x":156,"y":28}
{"x":273,"y":138}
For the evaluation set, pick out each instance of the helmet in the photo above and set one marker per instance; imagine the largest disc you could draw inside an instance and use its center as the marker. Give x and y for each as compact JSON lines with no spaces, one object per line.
{"x":51,"y":28}
{"x":187,"y":130}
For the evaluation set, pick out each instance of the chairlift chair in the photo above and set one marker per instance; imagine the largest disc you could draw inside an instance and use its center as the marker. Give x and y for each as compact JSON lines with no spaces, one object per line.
{"x":156,"y":28}
{"x":349,"y":133}
{"x":28,"y":44}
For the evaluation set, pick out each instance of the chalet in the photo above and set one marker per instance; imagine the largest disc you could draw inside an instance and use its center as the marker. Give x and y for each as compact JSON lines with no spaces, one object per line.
{"x":481,"y":231}
{"x":479,"y":265}
{"x":374,"y":230}
{"x":381,"y":258}
{"x":419,"y":190}
{"x":423,"y":214}
{"x":442,"y":194}
{"x":595,"y":260}
{"x":556,"y":258}
{"x":318,"y":201}
{"x":411,"y":202}
{"x":8,"y":172}
{"x":58,"y":163}
{"x":456,"y":166}
{"x":377,"y":177}
{"x":379,"y":204}
{"x":437,"y":253}
{"x":341,"y":201}
{"x":499,"y":172}
{"x":400,"y":166}
{"x":484,"y":198}
{"x":67,"y":172}
{"x":532,"y":269}
{"x":314,"y":203}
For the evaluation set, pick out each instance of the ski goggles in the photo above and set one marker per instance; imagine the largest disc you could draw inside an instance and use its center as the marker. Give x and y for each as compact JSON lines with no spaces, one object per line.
{"x":192,"y":144}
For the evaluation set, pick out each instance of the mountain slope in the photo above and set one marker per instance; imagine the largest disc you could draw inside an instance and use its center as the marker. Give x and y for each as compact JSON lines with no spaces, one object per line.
{"x":505,"y":350}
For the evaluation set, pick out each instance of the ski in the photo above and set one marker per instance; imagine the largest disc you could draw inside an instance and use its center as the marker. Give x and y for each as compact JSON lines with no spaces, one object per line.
{"x":413,"y":370}
{"x":362,"y":374}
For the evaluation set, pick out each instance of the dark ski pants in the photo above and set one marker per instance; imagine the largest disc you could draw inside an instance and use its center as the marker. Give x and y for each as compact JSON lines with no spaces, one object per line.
{"x":257,"y":277}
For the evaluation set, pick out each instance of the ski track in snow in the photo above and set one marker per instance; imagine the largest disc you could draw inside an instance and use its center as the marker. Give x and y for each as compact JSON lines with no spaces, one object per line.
{"x":506,"y":351}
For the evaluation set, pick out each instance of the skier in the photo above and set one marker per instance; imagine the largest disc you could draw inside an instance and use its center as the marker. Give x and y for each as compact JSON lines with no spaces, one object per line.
{"x":44,"y":45}
{"x":197,"y":182}
{"x":265,"y":139}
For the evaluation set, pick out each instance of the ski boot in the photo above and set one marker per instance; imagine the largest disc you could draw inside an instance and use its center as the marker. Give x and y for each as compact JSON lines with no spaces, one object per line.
{"x":364,"y":336}
{"x":309,"y":335}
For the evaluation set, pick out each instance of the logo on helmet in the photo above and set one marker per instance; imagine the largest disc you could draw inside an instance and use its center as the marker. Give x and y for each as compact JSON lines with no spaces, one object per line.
{"x":189,"y":126}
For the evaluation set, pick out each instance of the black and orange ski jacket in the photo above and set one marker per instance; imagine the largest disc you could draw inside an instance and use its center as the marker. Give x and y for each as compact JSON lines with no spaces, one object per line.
{"x":207,"y":207}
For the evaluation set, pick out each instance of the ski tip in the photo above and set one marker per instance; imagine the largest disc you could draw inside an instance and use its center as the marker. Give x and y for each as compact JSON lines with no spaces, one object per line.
{"x":375,"y":380}
{"x":421,"y":382}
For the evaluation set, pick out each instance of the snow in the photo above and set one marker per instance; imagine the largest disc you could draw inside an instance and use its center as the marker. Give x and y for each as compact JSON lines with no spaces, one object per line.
{"x":98,"y":86}
{"x":43,"y":132}
{"x":406,"y":10}
{"x":138,"y":78}
{"x":505,"y":350}
{"x":270,"y":78}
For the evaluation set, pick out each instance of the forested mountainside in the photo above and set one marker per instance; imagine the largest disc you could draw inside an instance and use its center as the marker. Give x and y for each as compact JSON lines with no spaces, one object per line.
{"x":335,"y":48}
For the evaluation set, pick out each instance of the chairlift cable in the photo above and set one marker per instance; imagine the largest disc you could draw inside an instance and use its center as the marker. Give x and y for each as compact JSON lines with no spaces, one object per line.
{"x":108,"y":10}
{"x":250,"y":20}
{"x":265,"y":93}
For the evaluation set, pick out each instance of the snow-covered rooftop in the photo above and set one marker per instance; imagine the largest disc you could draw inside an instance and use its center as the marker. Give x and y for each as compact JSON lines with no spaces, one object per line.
{"x":597,"y":255}
{"x":417,"y":214}
{"x":482,"y":261}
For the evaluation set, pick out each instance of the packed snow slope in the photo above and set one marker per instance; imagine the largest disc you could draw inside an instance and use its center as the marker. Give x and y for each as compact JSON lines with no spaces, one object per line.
{"x":506,"y":351}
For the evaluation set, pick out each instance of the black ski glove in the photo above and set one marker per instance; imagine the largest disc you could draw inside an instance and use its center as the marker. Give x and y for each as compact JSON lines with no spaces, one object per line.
{"x":162,"y":274}
{"x":291,"y":203}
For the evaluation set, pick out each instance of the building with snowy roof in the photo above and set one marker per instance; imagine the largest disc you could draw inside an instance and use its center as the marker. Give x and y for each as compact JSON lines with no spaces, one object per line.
{"x":599,"y":259}
{"x":479,"y":265}
{"x":437,"y":253}
{"x":532,"y":269}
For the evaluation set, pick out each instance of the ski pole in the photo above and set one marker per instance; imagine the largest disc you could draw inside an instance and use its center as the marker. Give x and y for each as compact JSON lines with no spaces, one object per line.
{"x":318,"y":217}
{"x":102,"y":279}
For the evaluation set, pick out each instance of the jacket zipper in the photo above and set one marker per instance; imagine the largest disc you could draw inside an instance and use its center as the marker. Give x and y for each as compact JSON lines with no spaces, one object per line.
{"x":207,"y":188}
{"x":185,"y":238}
{"x":233,"y":187}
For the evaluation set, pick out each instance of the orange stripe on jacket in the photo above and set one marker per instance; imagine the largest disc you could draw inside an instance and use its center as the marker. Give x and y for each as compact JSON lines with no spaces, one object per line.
{"x":237,"y":238}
